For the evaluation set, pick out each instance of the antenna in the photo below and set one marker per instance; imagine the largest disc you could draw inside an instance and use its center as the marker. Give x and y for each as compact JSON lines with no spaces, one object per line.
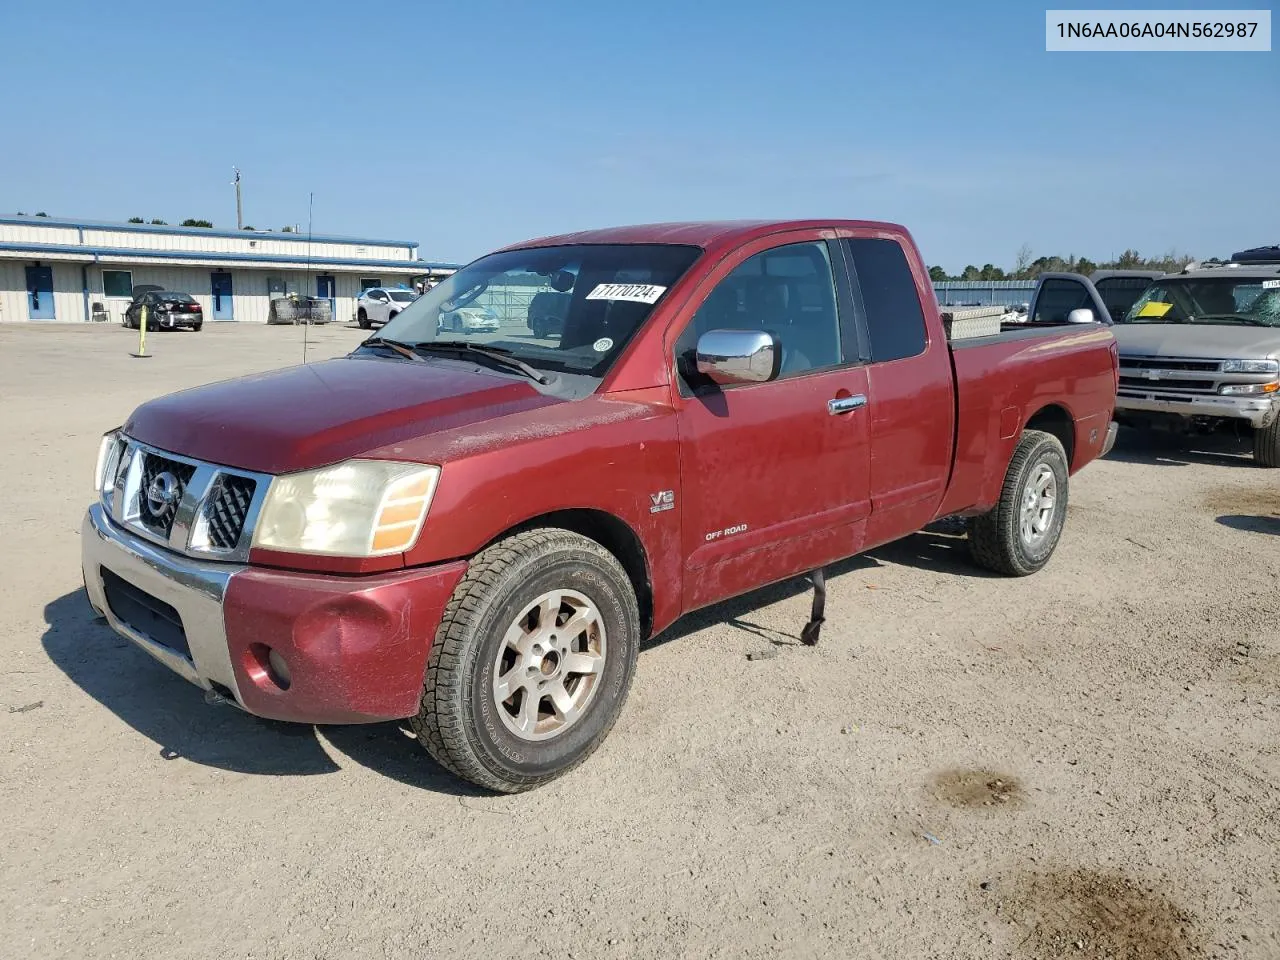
{"x":311,"y":202}
{"x":239,"y":214}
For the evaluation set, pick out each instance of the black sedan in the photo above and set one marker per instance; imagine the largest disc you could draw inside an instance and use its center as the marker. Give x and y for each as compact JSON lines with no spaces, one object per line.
{"x":165,"y":311}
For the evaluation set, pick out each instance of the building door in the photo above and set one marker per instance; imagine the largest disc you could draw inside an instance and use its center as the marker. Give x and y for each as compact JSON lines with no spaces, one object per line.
{"x":40,"y":293}
{"x":223,"y":301}
{"x":325,"y":290}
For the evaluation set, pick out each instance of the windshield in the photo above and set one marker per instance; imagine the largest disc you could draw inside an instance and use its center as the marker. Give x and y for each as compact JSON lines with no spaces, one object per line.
{"x":1120,"y":293}
{"x":1250,"y":301}
{"x":567,"y":309}
{"x":402,"y":296}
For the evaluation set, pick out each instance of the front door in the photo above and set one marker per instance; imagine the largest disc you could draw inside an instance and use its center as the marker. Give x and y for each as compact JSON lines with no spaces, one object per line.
{"x":774,"y":476}
{"x":223,"y":301}
{"x":40,"y":293}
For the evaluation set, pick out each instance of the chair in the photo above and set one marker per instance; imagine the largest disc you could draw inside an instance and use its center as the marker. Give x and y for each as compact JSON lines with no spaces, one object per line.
{"x":98,"y":313}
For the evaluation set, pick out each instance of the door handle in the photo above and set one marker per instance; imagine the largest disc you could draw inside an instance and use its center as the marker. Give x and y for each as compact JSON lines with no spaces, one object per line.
{"x":846,"y":404}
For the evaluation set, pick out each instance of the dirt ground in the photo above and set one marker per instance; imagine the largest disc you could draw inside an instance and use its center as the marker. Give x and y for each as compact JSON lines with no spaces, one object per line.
{"x":1083,"y":763}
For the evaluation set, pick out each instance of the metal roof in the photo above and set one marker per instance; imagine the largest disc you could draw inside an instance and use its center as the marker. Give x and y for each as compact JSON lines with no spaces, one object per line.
{"x":29,"y":220}
{"x":112,"y":254}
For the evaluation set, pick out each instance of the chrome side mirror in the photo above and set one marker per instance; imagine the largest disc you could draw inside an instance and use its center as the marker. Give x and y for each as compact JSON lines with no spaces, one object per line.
{"x":739,"y":356}
{"x":1081,"y":315}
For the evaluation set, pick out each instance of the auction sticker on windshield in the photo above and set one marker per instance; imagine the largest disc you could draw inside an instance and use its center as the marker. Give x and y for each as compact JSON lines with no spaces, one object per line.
{"x":1155,"y":309}
{"x":1270,"y":284}
{"x":635,"y":292}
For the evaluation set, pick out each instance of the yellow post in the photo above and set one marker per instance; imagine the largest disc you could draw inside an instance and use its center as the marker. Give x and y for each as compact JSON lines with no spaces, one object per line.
{"x":142,"y":333}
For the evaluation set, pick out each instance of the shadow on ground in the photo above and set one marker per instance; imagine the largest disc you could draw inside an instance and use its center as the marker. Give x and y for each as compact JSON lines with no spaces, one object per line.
{"x":172,"y":713}
{"x":1248,"y":524}
{"x":1156,"y":449}
{"x":940,"y":548}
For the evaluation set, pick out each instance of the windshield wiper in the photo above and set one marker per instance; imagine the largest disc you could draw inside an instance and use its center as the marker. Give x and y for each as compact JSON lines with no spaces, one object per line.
{"x":404,"y":349}
{"x":1233,"y":317}
{"x":499,"y":355}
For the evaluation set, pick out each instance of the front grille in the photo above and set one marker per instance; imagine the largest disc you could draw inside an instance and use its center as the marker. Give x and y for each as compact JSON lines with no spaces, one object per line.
{"x":1160,"y":363}
{"x":164,"y":481}
{"x":145,"y":614}
{"x":201,"y":509}
{"x":227,"y":508}
{"x":1166,"y":383}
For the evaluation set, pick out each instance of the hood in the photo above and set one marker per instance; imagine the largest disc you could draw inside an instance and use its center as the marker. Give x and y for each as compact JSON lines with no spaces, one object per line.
{"x":1193,"y":340}
{"x":319,"y":413}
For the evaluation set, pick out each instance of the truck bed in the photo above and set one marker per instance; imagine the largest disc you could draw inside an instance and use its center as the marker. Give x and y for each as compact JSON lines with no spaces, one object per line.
{"x":994,"y":403}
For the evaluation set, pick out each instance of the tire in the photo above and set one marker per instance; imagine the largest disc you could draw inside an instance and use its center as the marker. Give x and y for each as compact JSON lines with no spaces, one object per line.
{"x":197,"y":327}
{"x":1266,"y":444}
{"x":539,"y":329}
{"x":464,"y":725}
{"x":362,"y":318}
{"x":1015,"y":538}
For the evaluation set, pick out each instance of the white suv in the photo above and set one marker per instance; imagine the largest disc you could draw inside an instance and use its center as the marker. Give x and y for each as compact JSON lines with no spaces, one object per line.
{"x":380,"y":304}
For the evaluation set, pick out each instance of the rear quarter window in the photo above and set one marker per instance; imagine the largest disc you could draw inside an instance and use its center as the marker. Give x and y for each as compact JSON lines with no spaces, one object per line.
{"x":891,"y":305}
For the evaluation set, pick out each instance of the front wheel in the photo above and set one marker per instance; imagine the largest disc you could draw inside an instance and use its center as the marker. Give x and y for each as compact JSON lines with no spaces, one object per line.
{"x":1019,"y":535}
{"x":532,"y":661}
{"x":1266,"y":444}
{"x":362,"y":318}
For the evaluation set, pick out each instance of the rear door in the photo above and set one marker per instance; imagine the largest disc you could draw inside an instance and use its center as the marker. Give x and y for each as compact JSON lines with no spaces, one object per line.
{"x":773,"y":475}
{"x":911,"y":389}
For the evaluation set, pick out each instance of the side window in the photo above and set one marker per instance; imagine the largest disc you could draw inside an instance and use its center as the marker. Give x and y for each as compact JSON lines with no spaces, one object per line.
{"x":890,"y":302}
{"x":1058,"y":296}
{"x":789,"y":292}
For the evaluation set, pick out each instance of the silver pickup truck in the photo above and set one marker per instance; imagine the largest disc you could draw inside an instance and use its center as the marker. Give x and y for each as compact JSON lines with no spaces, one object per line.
{"x":1200,"y":351}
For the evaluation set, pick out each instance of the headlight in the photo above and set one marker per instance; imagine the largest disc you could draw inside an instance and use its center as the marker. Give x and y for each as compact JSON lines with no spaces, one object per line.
{"x":1235,"y":389}
{"x":108,"y":459}
{"x":358,"y":508}
{"x":1251,"y":366}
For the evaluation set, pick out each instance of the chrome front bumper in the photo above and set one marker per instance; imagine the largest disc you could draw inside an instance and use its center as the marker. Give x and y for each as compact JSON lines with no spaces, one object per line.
{"x":194,"y":588}
{"x":1259,"y":411}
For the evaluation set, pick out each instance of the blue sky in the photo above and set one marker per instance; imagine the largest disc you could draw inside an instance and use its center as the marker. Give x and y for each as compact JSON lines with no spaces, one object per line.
{"x":470,"y":125}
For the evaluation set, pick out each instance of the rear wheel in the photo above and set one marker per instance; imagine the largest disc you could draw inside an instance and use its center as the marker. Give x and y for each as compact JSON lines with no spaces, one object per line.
{"x":532,"y":661}
{"x":1019,"y":535}
{"x":197,"y":327}
{"x":1266,"y":444}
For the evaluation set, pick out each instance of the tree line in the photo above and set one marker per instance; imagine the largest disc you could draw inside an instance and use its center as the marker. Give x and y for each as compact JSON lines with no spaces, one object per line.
{"x":1027,"y":268}
{"x":201,"y":223}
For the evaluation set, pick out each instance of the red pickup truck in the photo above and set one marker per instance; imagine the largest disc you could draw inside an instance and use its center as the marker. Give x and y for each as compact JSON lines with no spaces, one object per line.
{"x":476,"y":533}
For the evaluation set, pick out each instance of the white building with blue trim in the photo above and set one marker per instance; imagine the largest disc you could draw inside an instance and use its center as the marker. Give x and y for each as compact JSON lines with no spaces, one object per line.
{"x":53,"y":269}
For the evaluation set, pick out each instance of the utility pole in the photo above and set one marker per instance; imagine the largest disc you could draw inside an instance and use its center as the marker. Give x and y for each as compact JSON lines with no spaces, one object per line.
{"x":239,"y":211}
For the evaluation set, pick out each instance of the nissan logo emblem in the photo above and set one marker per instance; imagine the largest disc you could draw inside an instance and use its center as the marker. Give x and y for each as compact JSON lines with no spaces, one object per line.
{"x":163,"y":494}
